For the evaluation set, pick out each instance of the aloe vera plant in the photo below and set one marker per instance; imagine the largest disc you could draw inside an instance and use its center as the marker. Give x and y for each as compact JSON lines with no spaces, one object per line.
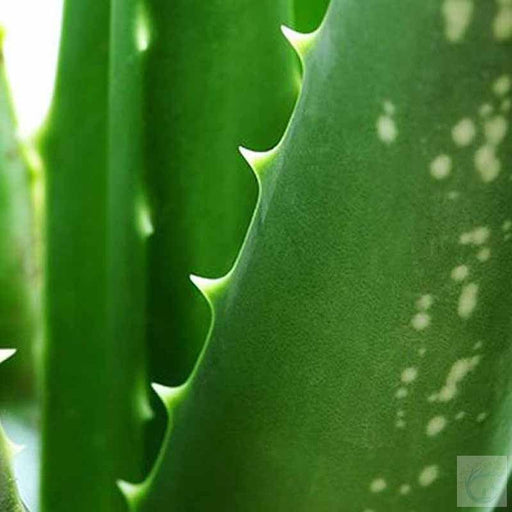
{"x":359,"y":341}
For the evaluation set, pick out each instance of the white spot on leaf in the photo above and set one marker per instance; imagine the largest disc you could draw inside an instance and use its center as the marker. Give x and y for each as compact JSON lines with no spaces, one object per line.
{"x":400,"y":423}
{"x":481,"y":234}
{"x":457,"y":373}
{"x":405,"y":489}
{"x":409,"y":375}
{"x":484,"y":254}
{"x":441,"y":167}
{"x":401,"y":393}
{"x":460,"y":273}
{"x":386,"y":129}
{"x":485,"y":110}
{"x":378,"y":485}
{"x":481,"y":417}
{"x":428,"y":476}
{"x":389,"y":108}
{"x":467,"y":300}
{"x":502,"y":24}
{"x":464,"y":132}
{"x":478,"y":236}
{"x":457,"y":16}
{"x":420,"y":321}
{"x":435,"y":425}
{"x":425,"y":302}
{"x":501,"y":86}
{"x":487,"y":163}
{"x":495,"y":130}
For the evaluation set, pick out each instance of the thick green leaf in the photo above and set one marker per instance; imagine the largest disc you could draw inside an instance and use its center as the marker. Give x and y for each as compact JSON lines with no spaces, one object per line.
{"x":17,"y":269}
{"x":94,"y":400}
{"x":362,"y":340}
{"x":9,"y":497}
{"x":218,"y":75}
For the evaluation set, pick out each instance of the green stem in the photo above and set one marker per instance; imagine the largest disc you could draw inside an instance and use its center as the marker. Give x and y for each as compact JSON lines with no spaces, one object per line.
{"x":94,"y":399}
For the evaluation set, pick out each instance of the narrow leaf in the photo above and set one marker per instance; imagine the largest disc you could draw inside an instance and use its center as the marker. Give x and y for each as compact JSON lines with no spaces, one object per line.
{"x":94,"y":401}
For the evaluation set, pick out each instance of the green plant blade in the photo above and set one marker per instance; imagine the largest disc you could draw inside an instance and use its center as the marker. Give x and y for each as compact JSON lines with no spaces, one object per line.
{"x":17,"y":267}
{"x":9,"y":497}
{"x":362,"y":341}
{"x":218,"y":75}
{"x":94,"y":401}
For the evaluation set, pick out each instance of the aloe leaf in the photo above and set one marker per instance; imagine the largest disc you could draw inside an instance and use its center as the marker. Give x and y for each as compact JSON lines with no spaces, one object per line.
{"x":218,"y":75}
{"x":9,"y":497}
{"x":362,"y":340}
{"x":94,"y":399}
{"x":17,"y":268}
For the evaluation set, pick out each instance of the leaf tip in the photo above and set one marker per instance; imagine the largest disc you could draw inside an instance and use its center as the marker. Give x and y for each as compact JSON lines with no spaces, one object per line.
{"x":299,"y":41}
{"x":6,"y":353}
{"x":131,"y":492}
{"x":167,"y":394}
{"x":257,"y":160}
{"x":210,"y":288}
